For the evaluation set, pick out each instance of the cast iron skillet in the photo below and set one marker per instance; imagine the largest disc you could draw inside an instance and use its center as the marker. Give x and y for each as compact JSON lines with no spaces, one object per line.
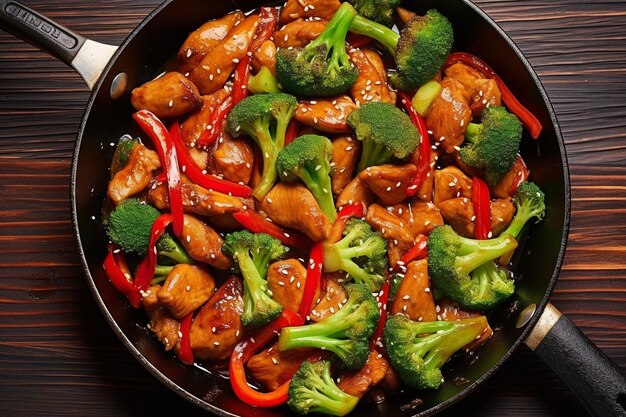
{"x":527,"y":318}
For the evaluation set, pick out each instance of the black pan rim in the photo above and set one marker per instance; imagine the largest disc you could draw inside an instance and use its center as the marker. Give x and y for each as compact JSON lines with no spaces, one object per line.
{"x":218,"y":411}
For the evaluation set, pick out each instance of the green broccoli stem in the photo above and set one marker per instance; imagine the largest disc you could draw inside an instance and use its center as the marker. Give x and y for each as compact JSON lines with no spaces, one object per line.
{"x":330,"y":399}
{"x":385,"y":36}
{"x":485,"y":273}
{"x":373,"y":154}
{"x":472,"y":131}
{"x":334,"y":36}
{"x":318,"y":182}
{"x":523,"y":215}
{"x":254,"y":286}
{"x":334,"y":325}
{"x":473,"y":253}
{"x":445,"y":342}
{"x":319,"y":342}
{"x":360,"y":275}
{"x":269,"y":149}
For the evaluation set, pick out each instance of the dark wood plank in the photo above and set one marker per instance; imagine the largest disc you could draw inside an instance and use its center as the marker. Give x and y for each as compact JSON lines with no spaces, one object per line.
{"x":58,"y":356}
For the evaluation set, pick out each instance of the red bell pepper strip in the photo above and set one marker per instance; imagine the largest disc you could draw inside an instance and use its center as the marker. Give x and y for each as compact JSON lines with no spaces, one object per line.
{"x":252,"y":221}
{"x":383,"y":299}
{"x":245,"y":350}
{"x":348,"y":211}
{"x":145,"y":272}
{"x":268,"y":18}
{"x":423,"y":165}
{"x":481,"y":201}
{"x":313,"y":279}
{"x":161,"y":138}
{"x":185,"y":354}
{"x":293,"y":131}
{"x":214,"y":125}
{"x":195,"y":174}
{"x":117,"y":271}
{"x":528,"y":119}
{"x":418,"y":251}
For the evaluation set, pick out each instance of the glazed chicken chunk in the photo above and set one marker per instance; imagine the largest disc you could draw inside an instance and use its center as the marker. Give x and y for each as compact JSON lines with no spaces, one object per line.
{"x":389,"y":182}
{"x":186,"y":288}
{"x":298,"y":33}
{"x":329,"y":115}
{"x":414,"y":297}
{"x":203,"y":243}
{"x":135,"y":176}
{"x":344,"y":159}
{"x":371,"y":84}
{"x":272,"y":368}
{"x":317,"y":9}
{"x":451,"y":182}
{"x":286,"y":279}
{"x":357,"y":383}
{"x":170,"y":95}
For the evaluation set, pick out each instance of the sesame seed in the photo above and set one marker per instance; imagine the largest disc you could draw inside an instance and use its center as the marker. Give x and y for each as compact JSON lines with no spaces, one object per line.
{"x":406,"y":297}
{"x":235,"y":61}
{"x":171,"y":103}
{"x":427,"y":289}
{"x":274,"y":361}
{"x":216,"y":343}
{"x":281,"y":283}
{"x":188,"y":288}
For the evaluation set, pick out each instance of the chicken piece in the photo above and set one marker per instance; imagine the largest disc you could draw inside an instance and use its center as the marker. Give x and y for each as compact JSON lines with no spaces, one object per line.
{"x":225,"y":222}
{"x":357,"y":383}
{"x":404,"y":15}
{"x":186,"y":289}
{"x":450,"y":311}
{"x":451,"y":182}
{"x":353,"y":192}
{"x":196,"y":122}
{"x":164,"y":326}
{"x":203,"y":243}
{"x":317,"y":9}
{"x":204,"y":39}
{"x":217,"y":328}
{"x":298,"y":33}
{"x":502,"y":213}
{"x":285,"y":279}
{"x":136,"y":174}
{"x":272,"y":368}
{"x":345,"y":156}
{"x":329,"y":116}
{"x":448,"y":115}
{"x":420,"y":216}
{"x":371,"y":84}
{"x":265,"y":56}
{"x":149,"y":298}
{"x":483,"y":91}
{"x":170,"y":95}
{"x":459,"y":213}
{"x":507,"y":186}
{"x":197,"y":200}
{"x":414,"y":297}
{"x":332,"y":299}
{"x":389,"y":182}
{"x":293,"y":206}
{"x":395,"y":251}
{"x":232,"y":158}
{"x":217,"y":66}
{"x":389,"y":225}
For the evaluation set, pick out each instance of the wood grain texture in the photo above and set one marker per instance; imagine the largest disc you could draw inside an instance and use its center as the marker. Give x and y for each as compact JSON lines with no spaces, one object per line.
{"x":59,"y":357}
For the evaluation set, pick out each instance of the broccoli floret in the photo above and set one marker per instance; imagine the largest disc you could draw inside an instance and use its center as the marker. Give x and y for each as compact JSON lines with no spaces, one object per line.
{"x":129,"y":225}
{"x":362,"y":253}
{"x":263,"y":82}
{"x":385,"y":131}
{"x":321,"y":68}
{"x":380,"y":11}
{"x":530,"y":202}
{"x":494,"y":143}
{"x":312,"y":390}
{"x":308,"y":158}
{"x":253,"y":253}
{"x":264,"y":117}
{"x":345,"y":333}
{"x":451,"y":259}
{"x":169,"y":248}
{"x":417,"y":350}
{"x":419,"y":50}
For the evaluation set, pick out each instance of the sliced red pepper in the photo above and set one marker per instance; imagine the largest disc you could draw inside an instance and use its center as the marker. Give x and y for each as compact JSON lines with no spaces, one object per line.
{"x":522,"y":174}
{"x":145,"y":272}
{"x":268,"y":18}
{"x":423,"y":165}
{"x":293,"y":131}
{"x":154,"y":128}
{"x":117,"y":271}
{"x":185,"y":354}
{"x":528,"y":119}
{"x":313,"y":279}
{"x":253,"y":221}
{"x":418,"y":251}
{"x":195,"y":174}
{"x":383,"y":299}
{"x":246,"y":349}
{"x":345,"y":213}
{"x":481,"y":201}
{"x":214,"y":125}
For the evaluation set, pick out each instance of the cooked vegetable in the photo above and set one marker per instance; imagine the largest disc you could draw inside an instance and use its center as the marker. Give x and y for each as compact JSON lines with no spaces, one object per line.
{"x":263,"y":82}
{"x":253,"y":253}
{"x":417,"y":350}
{"x":386,"y":133}
{"x":308,"y":158}
{"x":345,"y":333}
{"x":264,"y":117}
{"x":494,"y":143}
{"x":362,"y":253}
{"x":380,"y":11}
{"x":419,"y":50}
{"x":313,"y":390}
{"x":321,"y":68}
{"x":530,"y":202}
{"x":122,"y":151}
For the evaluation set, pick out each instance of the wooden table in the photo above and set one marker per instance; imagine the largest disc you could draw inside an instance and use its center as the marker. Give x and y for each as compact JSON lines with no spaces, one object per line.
{"x":58,"y":356}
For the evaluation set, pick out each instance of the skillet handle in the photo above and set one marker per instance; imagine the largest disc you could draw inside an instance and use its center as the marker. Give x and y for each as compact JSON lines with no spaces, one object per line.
{"x":87,"y":57}
{"x":596,"y":380}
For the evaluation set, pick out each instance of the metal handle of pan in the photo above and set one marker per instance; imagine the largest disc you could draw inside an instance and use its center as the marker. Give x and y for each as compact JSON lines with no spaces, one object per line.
{"x":87,"y":57}
{"x":596,"y":380}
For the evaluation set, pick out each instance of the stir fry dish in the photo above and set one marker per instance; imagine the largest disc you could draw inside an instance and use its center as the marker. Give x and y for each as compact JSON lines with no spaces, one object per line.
{"x":324,"y":200}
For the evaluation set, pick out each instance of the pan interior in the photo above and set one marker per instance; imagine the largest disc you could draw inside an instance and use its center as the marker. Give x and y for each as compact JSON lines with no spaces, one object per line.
{"x":143,"y":54}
